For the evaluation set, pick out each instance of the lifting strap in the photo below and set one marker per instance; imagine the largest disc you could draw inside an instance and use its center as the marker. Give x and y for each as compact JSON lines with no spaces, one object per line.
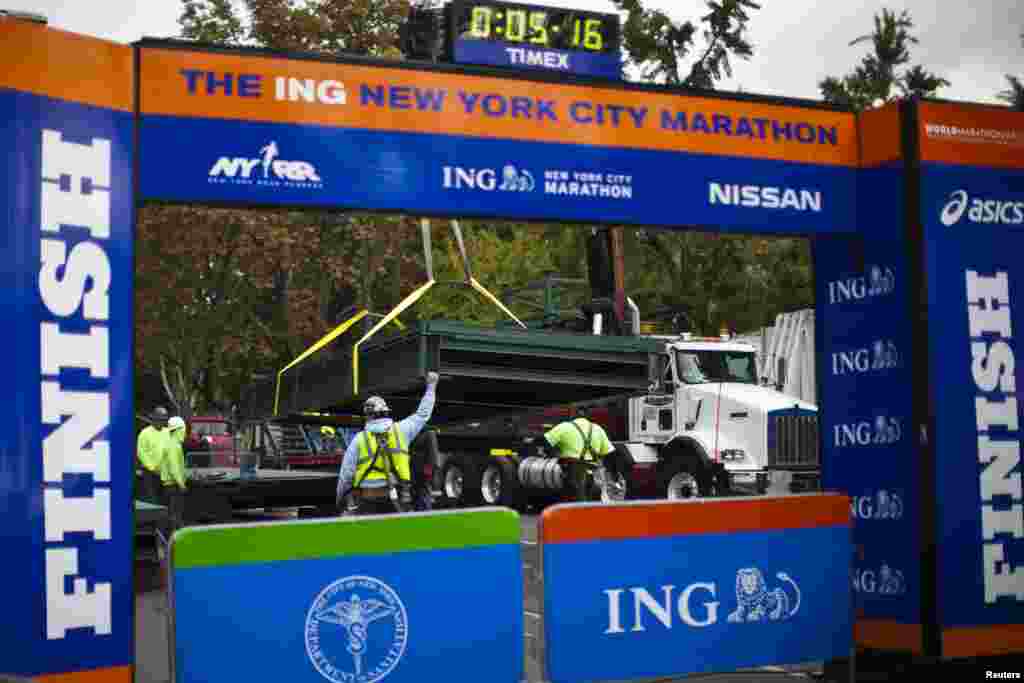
{"x":376,"y":453}
{"x":587,"y":453}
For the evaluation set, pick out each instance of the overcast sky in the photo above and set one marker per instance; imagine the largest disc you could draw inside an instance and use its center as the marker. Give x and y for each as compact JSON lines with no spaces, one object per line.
{"x":797,"y":42}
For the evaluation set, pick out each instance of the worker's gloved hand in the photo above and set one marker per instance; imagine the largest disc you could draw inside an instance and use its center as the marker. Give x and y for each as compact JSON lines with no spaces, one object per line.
{"x":432,"y":377}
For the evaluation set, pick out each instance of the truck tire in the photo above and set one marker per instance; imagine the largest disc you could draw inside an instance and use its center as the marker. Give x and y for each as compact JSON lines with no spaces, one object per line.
{"x":460,"y":481}
{"x":499,"y":483}
{"x":683,"y":479}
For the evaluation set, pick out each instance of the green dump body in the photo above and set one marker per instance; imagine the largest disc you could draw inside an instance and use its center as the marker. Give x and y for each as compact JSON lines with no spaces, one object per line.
{"x":486,"y":371}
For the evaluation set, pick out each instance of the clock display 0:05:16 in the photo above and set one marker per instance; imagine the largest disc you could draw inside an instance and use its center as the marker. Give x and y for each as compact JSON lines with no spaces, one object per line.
{"x":519,"y":25}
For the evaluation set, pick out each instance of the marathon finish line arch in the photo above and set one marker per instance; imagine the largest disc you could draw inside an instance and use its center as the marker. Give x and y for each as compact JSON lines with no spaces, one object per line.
{"x":915,"y":211}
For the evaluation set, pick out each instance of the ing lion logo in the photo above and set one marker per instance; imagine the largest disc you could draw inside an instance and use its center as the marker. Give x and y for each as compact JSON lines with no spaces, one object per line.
{"x":755,"y":602}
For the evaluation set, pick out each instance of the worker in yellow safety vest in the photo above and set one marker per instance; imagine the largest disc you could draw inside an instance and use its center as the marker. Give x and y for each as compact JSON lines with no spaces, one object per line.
{"x":172,"y":472}
{"x":582,"y":441}
{"x":149,"y":450}
{"x":375,"y":476}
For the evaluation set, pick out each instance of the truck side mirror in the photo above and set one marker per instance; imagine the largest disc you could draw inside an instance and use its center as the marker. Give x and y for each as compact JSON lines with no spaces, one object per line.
{"x":780,"y":374}
{"x":653,"y":372}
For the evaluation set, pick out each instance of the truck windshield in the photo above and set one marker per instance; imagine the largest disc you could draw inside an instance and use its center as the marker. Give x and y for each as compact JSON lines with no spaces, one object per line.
{"x":210,"y":428}
{"x":701,"y":367}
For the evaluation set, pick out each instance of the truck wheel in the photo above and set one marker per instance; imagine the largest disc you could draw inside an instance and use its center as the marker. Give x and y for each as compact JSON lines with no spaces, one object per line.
{"x":460,"y":481}
{"x":678,"y":482}
{"x":499,"y":483}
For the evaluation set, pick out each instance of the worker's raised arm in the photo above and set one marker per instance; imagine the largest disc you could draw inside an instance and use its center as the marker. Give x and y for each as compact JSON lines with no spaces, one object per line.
{"x":414,"y":424}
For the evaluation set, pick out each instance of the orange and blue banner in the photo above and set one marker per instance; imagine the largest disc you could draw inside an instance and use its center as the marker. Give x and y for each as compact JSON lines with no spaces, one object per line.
{"x":67,"y":459}
{"x":265,"y":130}
{"x":972,"y":217}
{"x":656,"y":589}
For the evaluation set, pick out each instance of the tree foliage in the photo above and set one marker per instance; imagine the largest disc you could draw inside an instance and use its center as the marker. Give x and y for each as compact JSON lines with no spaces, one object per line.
{"x":883,"y":73}
{"x":367,"y":27}
{"x":1014,"y":95}
{"x":693,"y":55}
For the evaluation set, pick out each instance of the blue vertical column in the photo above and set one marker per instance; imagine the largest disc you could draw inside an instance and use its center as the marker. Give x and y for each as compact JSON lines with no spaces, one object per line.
{"x":67,"y":448}
{"x":866,"y":395}
{"x":971,"y":217}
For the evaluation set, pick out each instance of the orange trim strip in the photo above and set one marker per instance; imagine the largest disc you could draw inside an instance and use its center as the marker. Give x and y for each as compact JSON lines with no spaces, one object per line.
{"x":888,"y":635}
{"x":880,"y":135}
{"x":65,"y":66}
{"x":195,"y":84}
{"x":567,"y":524}
{"x":116,"y":674}
{"x":983,"y":640}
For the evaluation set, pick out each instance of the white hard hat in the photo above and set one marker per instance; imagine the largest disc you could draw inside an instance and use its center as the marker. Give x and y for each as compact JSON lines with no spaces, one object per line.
{"x":375,"y":405}
{"x":175,"y":423}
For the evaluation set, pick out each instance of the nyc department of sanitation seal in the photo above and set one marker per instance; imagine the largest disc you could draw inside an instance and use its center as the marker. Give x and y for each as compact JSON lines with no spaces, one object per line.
{"x":356,"y":630}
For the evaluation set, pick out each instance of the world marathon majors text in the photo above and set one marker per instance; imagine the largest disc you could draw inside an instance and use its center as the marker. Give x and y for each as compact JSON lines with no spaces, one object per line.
{"x":496,"y":105}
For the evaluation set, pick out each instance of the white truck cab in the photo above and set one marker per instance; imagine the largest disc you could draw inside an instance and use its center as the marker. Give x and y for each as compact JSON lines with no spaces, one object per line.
{"x":708,"y":408}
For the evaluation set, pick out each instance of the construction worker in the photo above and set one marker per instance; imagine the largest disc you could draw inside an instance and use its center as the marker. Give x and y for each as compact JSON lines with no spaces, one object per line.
{"x":580,"y":440}
{"x":328,"y":439}
{"x":148,"y":450}
{"x":375,"y":470}
{"x":172,"y":472}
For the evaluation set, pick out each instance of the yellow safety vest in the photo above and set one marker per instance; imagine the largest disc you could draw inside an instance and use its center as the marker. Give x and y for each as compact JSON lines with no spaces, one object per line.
{"x":373,"y":461}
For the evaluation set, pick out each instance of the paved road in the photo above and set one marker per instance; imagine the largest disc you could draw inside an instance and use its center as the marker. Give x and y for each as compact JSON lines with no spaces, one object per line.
{"x":151,"y":645}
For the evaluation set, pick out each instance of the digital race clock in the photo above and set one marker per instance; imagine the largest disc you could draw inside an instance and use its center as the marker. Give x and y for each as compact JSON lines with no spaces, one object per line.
{"x":532,"y":37}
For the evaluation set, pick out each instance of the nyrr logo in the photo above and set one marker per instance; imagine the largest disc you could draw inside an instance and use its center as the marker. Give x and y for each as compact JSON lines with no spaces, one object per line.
{"x":881,"y":355}
{"x":512,"y":179}
{"x":886,"y":581}
{"x":267,"y":169}
{"x":883,"y":431}
{"x":984,"y":211}
{"x":882,"y":505}
{"x":878,"y":282}
{"x":356,"y":630}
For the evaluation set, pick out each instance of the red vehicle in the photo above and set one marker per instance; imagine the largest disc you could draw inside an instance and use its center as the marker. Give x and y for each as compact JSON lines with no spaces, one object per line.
{"x":210,"y":442}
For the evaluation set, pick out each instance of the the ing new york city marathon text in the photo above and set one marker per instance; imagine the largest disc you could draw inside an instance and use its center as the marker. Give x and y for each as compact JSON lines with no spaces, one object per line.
{"x":290,"y":88}
{"x":74,"y":287}
{"x":993,"y":367}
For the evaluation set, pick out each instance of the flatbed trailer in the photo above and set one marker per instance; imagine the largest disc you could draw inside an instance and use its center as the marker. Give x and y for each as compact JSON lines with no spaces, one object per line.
{"x":500,"y":388}
{"x":216,"y":493}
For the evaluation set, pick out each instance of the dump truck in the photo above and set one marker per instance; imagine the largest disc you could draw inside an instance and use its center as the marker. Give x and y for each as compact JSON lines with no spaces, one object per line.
{"x":687,"y":415}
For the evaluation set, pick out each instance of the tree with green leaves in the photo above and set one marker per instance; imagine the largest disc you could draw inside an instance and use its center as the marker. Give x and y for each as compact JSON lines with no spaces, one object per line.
{"x":366,"y":27}
{"x":693,"y":55}
{"x":1014,"y":95}
{"x":883,"y":74}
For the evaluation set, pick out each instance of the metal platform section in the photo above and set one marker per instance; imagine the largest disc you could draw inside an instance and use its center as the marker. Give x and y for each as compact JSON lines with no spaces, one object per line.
{"x":215,"y":493}
{"x":484,"y":371}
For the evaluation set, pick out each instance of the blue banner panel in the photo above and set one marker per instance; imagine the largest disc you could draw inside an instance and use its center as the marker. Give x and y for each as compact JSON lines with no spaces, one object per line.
{"x":352,"y":600}
{"x":304,"y":165}
{"x":869,"y":448}
{"x":66,"y":460}
{"x":974,"y":239}
{"x":601,"y":64}
{"x":634,"y":608}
